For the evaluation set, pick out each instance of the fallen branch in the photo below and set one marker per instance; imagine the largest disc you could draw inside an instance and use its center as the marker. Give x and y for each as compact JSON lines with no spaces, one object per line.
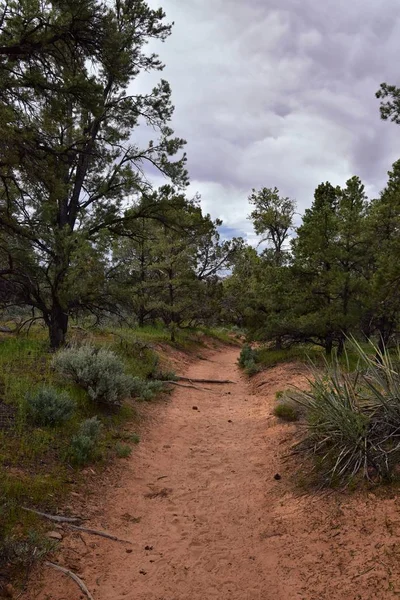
{"x":70,"y":522}
{"x":7,"y":330}
{"x":100,"y":533}
{"x":365,"y":571}
{"x":219,"y":381}
{"x":263,"y":383}
{"x":77,"y":580}
{"x":56,"y":518}
{"x":194,"y":387}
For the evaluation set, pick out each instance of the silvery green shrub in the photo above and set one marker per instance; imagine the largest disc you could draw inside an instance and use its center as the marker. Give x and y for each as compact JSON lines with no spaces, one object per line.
{"x":84,"y":444}
{"x":99,"y":371}
{"x":146,"y":390}
{"x":48,"y":406}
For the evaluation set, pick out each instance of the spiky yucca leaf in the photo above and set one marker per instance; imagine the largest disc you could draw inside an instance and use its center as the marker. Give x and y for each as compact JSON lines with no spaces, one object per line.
{"x":353,"y":419}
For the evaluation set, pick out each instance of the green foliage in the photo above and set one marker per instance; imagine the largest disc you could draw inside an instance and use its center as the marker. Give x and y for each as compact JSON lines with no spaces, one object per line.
{"x":146,"y":390}
{"x":272,"y":219}
{"x":247,"y":355}
{"x":24,"y":552}
{"x":170,"y":274}
{"x":122,"y":450}
{"x":320,"y":290}
{"x":48,"y":406}
{"x":69,"y":157}
{"x":248,"y":359}
{"x":354,"y":418}
{"x":99,"y":371}
{"x":165,"y":376}
{"x":84,"y":445}
{"x":286,"y":411}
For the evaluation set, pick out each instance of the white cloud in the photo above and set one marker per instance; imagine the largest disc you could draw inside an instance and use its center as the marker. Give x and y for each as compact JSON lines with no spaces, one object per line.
{"x":280,"y":93}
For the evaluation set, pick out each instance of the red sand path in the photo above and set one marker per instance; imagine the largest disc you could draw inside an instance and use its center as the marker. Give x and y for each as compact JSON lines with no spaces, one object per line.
{"x":208,"y":520}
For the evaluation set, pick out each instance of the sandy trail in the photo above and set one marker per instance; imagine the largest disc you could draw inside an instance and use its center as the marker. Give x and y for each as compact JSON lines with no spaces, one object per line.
{"x":208,"y":520}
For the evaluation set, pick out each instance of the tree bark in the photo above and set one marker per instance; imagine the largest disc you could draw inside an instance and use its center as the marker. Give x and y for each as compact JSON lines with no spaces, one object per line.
{"x":57,"y":324}
{"x":329,"y":344}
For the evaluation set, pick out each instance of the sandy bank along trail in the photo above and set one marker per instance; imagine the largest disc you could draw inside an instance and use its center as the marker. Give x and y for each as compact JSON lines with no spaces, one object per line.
{"x":208,"y":520}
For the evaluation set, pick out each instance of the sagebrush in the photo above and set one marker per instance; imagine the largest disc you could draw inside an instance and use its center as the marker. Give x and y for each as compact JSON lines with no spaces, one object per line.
{"x":48,"y":406}
{"x":144,"y":389}
{"x":99,"y":371}
{"x":84,"y":445}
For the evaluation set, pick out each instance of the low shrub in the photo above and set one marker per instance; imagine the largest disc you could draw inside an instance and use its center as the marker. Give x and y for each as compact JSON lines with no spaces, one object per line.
{"x":247,"y":354}
{"x":24,"y":552}
{"x":122,"y":450}
{"x":248,"y":360}
{"x":98,"y":371}
{"x":145,"y":390}
{"x":354,"y":418}
{"x":48,"y":406}
{"x":286,"y":411}
{"x":251,"y":368}
{"x":84,"y":445}
{"x":165,"y":376}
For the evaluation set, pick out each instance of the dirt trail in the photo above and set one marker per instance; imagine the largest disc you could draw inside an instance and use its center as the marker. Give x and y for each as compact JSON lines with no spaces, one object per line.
{"x":208,"y":520}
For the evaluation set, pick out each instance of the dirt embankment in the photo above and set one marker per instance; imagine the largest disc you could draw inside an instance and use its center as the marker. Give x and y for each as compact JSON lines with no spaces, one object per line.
{"x":208,"y":519}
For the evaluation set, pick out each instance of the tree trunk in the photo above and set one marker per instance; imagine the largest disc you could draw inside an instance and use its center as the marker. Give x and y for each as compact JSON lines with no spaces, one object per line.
{"x":328,"y":344}
{"x":141,"y":317}
{"x":57,"y":324}
{"x":385,"y":329}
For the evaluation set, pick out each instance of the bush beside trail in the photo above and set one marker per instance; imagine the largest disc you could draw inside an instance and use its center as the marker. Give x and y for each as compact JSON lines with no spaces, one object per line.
{"x":353,"y":418}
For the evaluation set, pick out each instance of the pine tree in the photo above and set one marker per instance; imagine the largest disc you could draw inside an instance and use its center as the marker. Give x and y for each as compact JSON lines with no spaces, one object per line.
{"x":68,"y":159}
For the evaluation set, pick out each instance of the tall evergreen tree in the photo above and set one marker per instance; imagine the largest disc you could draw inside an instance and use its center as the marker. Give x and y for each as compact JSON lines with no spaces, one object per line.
{"x":315,"y":256}
{"x":383,"y":237}
{"x":68,"y":159}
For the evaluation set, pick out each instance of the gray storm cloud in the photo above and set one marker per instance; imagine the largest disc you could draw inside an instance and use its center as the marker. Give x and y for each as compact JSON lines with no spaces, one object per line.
{"x":281,"y":93}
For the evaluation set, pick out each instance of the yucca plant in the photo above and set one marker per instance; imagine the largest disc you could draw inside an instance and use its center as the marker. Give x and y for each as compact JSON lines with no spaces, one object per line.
{"x":353,"y":419}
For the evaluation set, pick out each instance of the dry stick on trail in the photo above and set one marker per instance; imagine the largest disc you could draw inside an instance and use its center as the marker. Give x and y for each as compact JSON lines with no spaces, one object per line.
{"x":77,"y":580}
{"x":69,"y":521}
{"x":218,"y":381}
{"x":194,"y":387}
{"x":100,"y":533}
{"x":56,"y":518}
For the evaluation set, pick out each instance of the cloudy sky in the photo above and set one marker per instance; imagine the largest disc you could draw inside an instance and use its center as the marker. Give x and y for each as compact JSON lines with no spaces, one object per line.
{"x":280,"y":93}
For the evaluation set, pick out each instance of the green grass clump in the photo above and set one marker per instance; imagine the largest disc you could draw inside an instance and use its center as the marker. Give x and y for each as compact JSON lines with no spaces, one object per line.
{"x":48,"y":406}
{"x":146,"y":390}
{"x":270,"y":357}
{"x":354,"y":417}
{"x":85,"y":444}
{"x":22,"y":553}
{"x":122,"y":450}
{"x":248,"y":360}
{"x":286,"y":411}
